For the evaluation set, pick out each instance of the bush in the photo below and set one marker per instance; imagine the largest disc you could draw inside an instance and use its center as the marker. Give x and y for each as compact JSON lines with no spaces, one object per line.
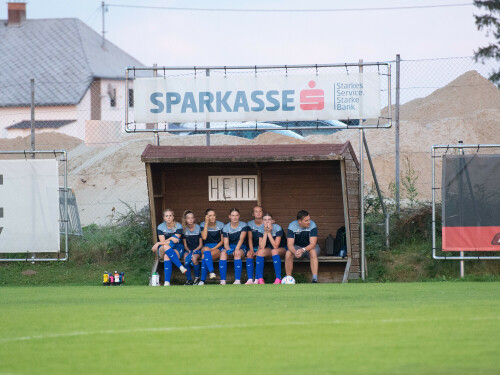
{"x":128,"y":239}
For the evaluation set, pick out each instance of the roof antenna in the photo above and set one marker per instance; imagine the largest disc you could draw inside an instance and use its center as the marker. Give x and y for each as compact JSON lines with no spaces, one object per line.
{"x":104,"y":9}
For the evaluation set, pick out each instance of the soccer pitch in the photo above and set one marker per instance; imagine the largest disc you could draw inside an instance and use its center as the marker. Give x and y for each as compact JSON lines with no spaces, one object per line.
{"x":414,"y":328}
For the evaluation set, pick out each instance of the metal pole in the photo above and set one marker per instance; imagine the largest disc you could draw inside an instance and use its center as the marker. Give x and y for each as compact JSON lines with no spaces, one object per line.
{"x":156,"y":135}
{"x":32,"y":117}
{"x":398,"y":60}
{"x":379,"y":192}
{"x":361,"y":192}
{"x":102,"y":11}
{"x":433,"y":196}
{"x":362,"y":203}
{"x":462,"y":264}
{"x":66,"y":229}
{"x":207,"y":124}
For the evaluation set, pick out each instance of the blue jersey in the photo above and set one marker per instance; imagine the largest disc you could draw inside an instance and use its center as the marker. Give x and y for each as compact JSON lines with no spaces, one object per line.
{"x":277,"y":231}
{"x":302,"y":235}
{"x":214,"y":234}
{"x":192,"y":237}
{"x":257,"y":232}
{"x":169,"y":232}
{"x":234,"y":233}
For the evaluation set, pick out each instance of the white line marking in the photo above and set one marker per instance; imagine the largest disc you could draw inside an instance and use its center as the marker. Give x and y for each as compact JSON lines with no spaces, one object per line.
{"x":230,"y":326}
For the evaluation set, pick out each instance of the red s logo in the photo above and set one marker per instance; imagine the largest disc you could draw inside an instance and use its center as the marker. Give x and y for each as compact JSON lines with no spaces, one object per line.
{"x":312,"y":99}
{"x":496,"y":239}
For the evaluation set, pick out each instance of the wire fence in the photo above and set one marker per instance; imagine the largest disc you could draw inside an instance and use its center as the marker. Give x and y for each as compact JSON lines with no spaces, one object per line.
{"x":440,"y":101}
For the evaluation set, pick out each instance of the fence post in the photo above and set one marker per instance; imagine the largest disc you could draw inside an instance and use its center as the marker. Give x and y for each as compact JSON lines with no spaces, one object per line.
{"x":361,"y":192}
{"x":32,"y":117}
{"x":157,"y":136}
{"x":398,"y":60}
{"x":207,"y":124}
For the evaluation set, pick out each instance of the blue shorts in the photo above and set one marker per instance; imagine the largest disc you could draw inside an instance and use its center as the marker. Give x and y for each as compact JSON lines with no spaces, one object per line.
{"x":210,"y":245}
{"x":189,"y":258}
{"x":232,"y":247}
{"x":176,"y":246}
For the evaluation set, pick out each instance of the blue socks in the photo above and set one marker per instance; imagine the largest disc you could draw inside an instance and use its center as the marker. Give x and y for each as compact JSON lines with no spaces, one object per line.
{"x":188,"y":272}
{"x":249,"y":263}
{"x":208,"y":259}
{"x":197,"y":269}
{"x":187,"y":264}
{"x":277,"y":266}
{"x":238,"y":264}
{"x":204,"y":271}
{"x":167,"y":268}
{"x":223,"y":269}
{"x":315,"y":277}
{"x":173,"y":257}
{"x":259,"y":268}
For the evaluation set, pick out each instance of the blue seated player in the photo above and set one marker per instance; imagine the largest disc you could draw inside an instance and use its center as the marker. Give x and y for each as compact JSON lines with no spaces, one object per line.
{"x":193,"y":244}
{"x":234,"y":234}
{"x":211,"y":233}
{"x":302,"y":242}
{"x":270,"y":246}
{"x":169,"y":246}
{"x":255,"y":232}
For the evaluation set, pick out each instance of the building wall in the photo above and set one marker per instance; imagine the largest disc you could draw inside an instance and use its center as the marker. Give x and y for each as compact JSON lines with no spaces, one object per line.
{"x":95,"y":104}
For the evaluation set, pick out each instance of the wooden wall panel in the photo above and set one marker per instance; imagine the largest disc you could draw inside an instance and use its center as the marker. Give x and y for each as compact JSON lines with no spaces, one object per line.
{"x":286,"y":188}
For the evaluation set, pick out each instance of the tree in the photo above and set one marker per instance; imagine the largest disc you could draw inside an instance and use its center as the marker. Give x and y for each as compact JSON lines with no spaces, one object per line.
{"x":491,"y":23}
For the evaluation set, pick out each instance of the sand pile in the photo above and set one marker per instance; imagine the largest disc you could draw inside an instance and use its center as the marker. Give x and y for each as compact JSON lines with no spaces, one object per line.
{"x":467,"y":109}
{"x":270,"y":138}
{"x":43,"y":141}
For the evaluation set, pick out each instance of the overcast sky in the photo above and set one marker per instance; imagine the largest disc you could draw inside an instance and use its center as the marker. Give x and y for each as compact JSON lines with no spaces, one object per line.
{"x":180,"y":38}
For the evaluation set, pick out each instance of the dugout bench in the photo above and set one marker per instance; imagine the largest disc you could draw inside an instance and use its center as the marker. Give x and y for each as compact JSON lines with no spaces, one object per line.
{"x":301,"y":266}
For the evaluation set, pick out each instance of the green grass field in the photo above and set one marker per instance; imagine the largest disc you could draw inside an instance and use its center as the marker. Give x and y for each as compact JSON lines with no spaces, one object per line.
{"x":413,"y":328}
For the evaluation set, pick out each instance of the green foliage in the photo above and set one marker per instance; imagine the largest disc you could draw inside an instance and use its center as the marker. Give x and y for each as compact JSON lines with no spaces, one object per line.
{"x":409,"y":257}
{"x":490,"y":22}
{"x":128,"y":239}
{"x":409,"y":183}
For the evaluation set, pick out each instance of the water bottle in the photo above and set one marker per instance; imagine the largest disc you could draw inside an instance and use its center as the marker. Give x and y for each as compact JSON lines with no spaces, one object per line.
{"x":155,"y":279}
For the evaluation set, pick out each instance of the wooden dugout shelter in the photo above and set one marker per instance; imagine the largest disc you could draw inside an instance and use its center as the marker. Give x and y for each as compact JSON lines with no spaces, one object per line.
{"x":320,"y":178}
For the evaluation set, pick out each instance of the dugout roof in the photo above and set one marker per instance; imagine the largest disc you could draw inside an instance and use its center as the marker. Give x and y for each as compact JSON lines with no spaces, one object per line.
{"x":247,"y":153}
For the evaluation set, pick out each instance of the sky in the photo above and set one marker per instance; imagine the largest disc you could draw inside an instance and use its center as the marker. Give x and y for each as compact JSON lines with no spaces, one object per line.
{"x":201,"y":38}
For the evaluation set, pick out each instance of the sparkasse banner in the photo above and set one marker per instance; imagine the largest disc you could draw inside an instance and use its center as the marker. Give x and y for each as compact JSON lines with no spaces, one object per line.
{"x":257,"y":98}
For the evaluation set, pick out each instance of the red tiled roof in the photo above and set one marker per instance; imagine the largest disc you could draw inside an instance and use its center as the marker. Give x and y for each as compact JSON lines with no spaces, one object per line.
{"x":254,"y":153}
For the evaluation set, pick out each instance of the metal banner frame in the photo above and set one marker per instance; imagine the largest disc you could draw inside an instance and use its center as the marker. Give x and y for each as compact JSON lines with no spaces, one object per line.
{"x":30,"y":256}
{"x":434,"y":148}
{"x":253,"y":69}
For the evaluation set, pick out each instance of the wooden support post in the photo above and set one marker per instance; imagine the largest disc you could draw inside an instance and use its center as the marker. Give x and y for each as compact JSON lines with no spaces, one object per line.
{"x":346,"y":218}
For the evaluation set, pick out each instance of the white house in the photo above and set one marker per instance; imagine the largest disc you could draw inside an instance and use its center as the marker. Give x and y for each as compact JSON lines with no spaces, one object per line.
{"x":78,"y":76}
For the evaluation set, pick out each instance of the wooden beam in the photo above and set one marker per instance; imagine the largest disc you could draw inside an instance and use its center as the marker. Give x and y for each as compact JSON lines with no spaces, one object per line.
{"x":346,"y":215}
{"x":259,"y":185}
{"x":346,"y":272}
{"x":152,"y":210}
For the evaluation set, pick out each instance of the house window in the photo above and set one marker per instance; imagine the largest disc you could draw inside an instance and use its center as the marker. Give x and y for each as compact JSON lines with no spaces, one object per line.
{"x":112,"y":99}
{"x":131,"y":98}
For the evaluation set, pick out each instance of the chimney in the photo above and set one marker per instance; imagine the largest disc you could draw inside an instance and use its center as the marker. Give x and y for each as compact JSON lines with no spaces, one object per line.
{"x":17,"y":13}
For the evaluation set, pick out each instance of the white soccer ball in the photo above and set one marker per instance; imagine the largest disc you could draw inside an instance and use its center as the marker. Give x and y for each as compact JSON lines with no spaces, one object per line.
{"x":288,"y":280}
